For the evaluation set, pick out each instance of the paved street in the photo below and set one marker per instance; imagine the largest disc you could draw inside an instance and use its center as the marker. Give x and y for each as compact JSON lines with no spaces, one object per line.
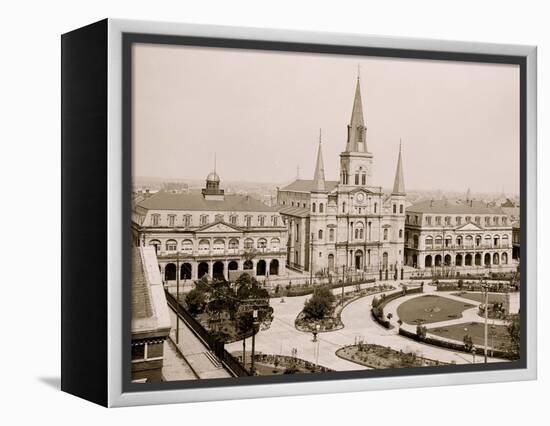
{"x":282,"y":336}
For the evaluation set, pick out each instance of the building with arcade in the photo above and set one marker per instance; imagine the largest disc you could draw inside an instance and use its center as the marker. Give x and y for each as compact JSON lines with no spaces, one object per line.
{"x":461,"y":235}
{"x":211,"y":233}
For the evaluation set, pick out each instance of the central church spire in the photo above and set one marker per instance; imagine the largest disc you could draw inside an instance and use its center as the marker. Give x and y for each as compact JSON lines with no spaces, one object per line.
{"x":319,"y":184}
{"x":357,"y":131}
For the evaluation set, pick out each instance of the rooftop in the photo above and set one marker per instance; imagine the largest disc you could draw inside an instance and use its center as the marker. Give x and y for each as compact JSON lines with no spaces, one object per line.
{"x":308,"y":185}
{"x":150,"y":316}
{"x":454,"y":207}
{"x":187,"y":202}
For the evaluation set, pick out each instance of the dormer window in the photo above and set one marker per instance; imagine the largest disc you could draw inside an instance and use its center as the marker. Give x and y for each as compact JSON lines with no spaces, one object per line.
{"x":155,"y":219}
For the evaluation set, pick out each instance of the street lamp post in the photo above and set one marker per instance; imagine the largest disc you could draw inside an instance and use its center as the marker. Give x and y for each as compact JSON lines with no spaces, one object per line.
{"x":343,"y":282}
{"x":486,"y":290}
{"x":254,"y":323}
{"x":177,"y":297}
{"x":316,"y":344}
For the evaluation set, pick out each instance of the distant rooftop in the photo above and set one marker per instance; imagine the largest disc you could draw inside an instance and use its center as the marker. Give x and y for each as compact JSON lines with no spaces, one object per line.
{"x":308,"y":185}
{"x":294,"y":211}
{"x":454,"y":207}
{"x":191,"y":201}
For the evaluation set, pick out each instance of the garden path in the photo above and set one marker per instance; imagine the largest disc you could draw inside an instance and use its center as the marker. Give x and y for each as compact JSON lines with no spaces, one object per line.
{"x":282,"y":336}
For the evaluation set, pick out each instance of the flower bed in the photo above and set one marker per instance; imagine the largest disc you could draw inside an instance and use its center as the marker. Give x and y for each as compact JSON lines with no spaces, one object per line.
{"x":376,"y":356}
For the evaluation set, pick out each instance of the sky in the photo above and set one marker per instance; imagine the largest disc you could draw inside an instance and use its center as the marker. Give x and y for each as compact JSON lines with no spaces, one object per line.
{"x":259,"y":113}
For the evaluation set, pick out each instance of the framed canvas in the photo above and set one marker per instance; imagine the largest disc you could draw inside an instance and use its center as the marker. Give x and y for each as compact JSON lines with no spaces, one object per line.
{"x":251,"y":212}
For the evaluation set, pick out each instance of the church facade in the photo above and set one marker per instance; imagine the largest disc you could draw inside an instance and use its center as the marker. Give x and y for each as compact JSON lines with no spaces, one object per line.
{"x":345,"y":226}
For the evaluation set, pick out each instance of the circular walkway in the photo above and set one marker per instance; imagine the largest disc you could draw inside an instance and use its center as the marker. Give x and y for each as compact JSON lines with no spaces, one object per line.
{"x":282,"y":336}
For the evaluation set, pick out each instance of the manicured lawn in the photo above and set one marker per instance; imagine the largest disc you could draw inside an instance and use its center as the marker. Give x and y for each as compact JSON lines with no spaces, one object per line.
{"x":499,"y":340}
{"x":430,"y":308}
{"x":480,"y":297}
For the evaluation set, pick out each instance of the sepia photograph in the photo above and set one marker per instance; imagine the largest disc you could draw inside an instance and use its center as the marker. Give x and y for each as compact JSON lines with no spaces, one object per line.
{"x":304,"y":214}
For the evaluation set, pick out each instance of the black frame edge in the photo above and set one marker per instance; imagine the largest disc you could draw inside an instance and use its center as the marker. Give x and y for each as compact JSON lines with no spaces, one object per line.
{"x":84,"y":212}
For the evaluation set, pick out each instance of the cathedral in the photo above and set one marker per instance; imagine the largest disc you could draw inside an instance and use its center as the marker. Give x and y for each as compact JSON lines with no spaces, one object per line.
{"x":345,"y":226}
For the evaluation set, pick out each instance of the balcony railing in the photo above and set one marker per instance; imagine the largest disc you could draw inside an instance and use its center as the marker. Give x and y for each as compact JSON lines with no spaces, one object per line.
{"x":215,"y":252}
{"x":467,"y":247}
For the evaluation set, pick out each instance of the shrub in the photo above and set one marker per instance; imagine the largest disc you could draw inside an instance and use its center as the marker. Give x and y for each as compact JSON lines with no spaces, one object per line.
{"x":196,"y":301}
{"x":320,"y":304}
{"x":421,"y":331}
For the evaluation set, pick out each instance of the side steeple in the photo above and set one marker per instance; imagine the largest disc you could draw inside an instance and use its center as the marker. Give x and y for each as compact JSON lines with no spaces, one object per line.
{"x":399,"y":182}
{"x":319,"y":176}
{"x":357,"y":131}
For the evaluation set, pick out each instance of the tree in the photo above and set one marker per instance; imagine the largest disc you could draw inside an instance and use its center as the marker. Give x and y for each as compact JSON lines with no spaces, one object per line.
{"x":421,"y":331}
{"x":468,"y":343}
{"x":202,"y":284}
{"x":196,"y":301}
{"x":222,"y":300}
{"x":320,"y":304}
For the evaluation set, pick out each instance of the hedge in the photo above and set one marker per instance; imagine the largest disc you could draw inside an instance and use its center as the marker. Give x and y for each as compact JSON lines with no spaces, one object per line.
{"x":497,"y":353}
{"x":375,"y":310}
{"x":304,"y":291}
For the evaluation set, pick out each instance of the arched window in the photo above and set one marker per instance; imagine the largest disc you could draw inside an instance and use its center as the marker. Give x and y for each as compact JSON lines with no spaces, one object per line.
{"x":386,"y":234}
{"x":375,"y":206}
{"x":321,"y":208}
{"x":429,"y":242}
{"x":313,"y":207}
{"x":394,"y":208}
{"x":219,"y":245}
{"x":249,"y":243}
{"x":469,"y":240}
{"x":364,"y":179}
{"x":331,"y":234}
{"x":171,"y":245}
{"x":356,"y":233}
{"x":204,"y":246}
{"x":344,"y":207}
{"x":156,"y":244}
{"x":320,"y":234}
{"x":459,"y":241}
{"x":233,"y":244}
{"x":438,"y":241}
{"x":401,"y":208}
{"x":356,"y":178}
{"x":262,"y":243}
{"x":187,"y":246}
{"x":275,"y":243}
{"x":400,"y":233}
